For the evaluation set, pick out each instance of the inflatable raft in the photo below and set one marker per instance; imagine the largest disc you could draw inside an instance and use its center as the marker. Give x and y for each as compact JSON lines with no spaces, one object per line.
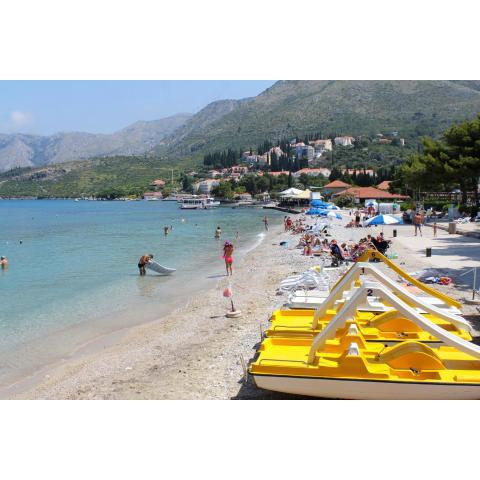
{"x":160,"y":269}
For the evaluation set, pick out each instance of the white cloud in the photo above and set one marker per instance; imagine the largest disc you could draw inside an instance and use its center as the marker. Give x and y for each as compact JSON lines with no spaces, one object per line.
{"x":16,"y":121}
{"x":20,"y":119}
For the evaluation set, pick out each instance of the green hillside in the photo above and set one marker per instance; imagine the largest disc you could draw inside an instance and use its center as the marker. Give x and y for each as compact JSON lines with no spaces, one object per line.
{"x":289,"y":108}
{"x":125,"y":175}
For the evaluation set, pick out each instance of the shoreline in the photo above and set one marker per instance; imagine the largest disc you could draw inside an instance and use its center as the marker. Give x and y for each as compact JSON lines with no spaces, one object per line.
{"x":62,"y":334}
{"x":196,"y":352}
{"x":104,"y":342}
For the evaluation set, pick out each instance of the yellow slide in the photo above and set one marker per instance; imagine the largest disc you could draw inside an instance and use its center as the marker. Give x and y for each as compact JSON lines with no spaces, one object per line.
{"x":374,"y":254}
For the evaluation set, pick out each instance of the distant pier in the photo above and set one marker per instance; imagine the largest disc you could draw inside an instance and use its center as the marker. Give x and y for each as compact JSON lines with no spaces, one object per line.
{"x":283,"y":209}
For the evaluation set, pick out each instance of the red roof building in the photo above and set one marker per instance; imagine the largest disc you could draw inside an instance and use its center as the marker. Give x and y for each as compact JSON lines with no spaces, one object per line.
{"x":337,"y":184}
{"x":335,"y":187}
{"x":365,"y":193}
{"x":158,"y":183}
{"x":385,"y":185}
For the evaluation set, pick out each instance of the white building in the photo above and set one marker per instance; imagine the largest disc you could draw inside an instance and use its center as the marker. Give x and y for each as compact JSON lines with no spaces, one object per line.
{"x":305,"y":151}
{"x":344,"y":141}
{"x":263,"y":159}
{"x":313,"y":172}
{"x":321,"y":146}
{"x":206,"y":186}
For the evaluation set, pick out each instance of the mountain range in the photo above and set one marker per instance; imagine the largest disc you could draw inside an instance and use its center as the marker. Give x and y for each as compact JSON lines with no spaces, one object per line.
{"x":20,"y":150}
{"x":78,"y":164}
{"x":287,"y":108}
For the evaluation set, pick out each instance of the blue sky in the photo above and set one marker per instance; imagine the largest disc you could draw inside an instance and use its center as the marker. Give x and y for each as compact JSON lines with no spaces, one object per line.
{"x":46,"y":107}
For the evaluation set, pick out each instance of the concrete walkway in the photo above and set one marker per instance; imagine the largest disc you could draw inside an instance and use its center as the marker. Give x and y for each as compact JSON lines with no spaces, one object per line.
{"x":454,"y":253}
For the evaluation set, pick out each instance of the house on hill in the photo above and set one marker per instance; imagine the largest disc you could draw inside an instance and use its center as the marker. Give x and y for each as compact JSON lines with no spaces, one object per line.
{"x":205,"y":187}
{"x":157,"y":184}
{"x":344,"y":141}
{"x":354,"y":171}
{"x":313,"y":172}
{"x":321,"y":146}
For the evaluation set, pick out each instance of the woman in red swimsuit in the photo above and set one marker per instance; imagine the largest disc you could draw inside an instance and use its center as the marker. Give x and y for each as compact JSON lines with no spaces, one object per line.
{"x":228,"y":256}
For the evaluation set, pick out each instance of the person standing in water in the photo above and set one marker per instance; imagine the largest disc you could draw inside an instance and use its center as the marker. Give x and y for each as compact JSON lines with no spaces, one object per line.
{"x":3,"y":263}
{"x":228,"y":256}
{"x":144,"y":259}
{"x":265,"y":221}
{"x":165,"y":230}
{"x":218,"y":233}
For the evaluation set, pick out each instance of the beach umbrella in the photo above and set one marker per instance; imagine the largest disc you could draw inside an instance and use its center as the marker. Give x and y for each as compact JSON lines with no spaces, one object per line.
{"x":382,"y":220}
{"x":318,"y":203}
{"x":334,"y":215}
{"x":290,"y":192}
{"x":314,"y":211}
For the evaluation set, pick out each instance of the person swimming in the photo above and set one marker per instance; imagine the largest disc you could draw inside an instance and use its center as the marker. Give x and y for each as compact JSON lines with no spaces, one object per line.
{"x":228,"y":256}
{"x":3,"y":262}
{"x":218,"y":232}
{"x":166,"y":230}
{"x":144,"y":259}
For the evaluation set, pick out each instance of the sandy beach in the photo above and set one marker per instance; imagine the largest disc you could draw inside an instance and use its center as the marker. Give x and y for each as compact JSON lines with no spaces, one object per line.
{"x":196,"y":351}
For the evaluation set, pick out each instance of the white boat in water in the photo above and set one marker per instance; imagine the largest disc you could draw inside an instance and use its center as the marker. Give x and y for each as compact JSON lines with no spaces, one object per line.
{"x":198,"y":203}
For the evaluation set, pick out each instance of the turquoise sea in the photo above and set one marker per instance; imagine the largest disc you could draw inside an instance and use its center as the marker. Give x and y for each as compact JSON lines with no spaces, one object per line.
{"x":73,"y":274}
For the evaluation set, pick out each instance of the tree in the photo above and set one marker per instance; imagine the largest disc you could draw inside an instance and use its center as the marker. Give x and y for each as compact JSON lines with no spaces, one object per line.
{"x":304,"y":179}
{"x":335,"y":174}
{"x":224,"y":190}
{"x":187,"y":183}
{"x":463,"y":141}
{"x":453,"y":161}
{"x":346,"y":200}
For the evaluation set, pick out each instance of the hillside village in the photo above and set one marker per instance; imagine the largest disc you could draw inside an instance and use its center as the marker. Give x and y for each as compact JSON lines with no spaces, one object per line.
{"x":248,"y":174}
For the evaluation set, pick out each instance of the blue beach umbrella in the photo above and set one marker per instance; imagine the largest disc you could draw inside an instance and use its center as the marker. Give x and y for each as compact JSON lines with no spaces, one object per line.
{"x":318,"y":204}
{"x":336,"y":215}
{"x":383,"y":220}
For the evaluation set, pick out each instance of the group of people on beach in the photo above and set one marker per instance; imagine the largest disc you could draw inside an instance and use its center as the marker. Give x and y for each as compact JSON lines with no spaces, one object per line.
{"x":228,"y":249}
{"x":316,"y":243}
{"x":296,"y":226}
{"x":358,"y":220}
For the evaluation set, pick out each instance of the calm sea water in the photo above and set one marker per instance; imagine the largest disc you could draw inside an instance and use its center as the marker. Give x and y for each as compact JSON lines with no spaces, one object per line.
{"x":73,"y":264}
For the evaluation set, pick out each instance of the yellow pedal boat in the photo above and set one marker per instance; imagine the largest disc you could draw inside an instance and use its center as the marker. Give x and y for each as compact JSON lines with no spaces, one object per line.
{"x":351,"y":369}
{"x":348,"y":366}
{"x":389,"y":326}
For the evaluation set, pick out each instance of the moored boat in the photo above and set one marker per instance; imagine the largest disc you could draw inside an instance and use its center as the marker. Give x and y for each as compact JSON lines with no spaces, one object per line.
{"x":198,"y":203}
